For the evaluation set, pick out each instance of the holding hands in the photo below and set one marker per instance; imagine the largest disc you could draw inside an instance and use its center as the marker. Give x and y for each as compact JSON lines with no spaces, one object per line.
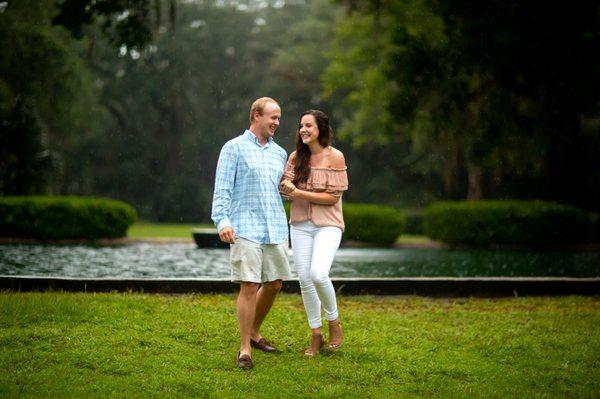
{"x":286,"y":187}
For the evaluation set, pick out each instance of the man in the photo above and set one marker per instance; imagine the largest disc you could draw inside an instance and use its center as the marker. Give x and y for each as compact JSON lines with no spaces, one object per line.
{"x":248,"y":212}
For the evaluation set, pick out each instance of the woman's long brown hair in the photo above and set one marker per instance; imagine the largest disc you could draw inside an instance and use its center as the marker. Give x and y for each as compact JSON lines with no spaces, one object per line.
{"x":302,"y":161}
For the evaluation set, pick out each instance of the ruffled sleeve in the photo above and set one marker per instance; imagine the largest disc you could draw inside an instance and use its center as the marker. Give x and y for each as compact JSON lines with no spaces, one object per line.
{"x":328,"y":180}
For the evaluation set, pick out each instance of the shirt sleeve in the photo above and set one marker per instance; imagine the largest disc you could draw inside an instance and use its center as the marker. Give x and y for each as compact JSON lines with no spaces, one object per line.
{"x":288,"y":173}
{"x":224,"y":183}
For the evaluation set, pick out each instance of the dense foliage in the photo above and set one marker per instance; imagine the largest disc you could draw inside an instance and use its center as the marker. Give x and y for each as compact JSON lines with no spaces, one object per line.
{"x":429,"y":100}
{"x":372,"y":223}
{"x":475,"y":99}
{"x":64,"y":217}
{"x":48,"y":102}
{"x":506,"y":222}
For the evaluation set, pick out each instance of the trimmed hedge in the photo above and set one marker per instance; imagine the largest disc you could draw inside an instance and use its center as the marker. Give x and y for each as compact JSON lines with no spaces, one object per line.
{"x":506,"y":222}
{"x":372,"y":223}
{"x":64,"y":217}
{"x":369,"y":222}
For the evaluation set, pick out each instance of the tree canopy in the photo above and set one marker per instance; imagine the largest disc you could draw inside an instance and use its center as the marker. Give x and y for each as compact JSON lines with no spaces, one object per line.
{"x":491,"y":97}
{"x":429,"y":99}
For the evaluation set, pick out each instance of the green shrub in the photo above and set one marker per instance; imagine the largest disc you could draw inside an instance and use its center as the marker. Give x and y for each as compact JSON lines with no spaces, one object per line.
{"x":369,"y":222}
{"x":64,"y":217}
{"x":372,"y":223}
{"x":506,"y":222}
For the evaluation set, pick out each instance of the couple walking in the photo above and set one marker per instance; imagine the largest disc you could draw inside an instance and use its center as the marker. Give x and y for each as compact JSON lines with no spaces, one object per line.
{"x":252,"y":176}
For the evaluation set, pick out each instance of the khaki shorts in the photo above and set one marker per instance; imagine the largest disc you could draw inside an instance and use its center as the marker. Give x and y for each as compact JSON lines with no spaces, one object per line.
{"x":258,"y":263}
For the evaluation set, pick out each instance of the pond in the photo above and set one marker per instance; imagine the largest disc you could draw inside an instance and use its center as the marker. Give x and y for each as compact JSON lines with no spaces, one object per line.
{"x":187,"y":261}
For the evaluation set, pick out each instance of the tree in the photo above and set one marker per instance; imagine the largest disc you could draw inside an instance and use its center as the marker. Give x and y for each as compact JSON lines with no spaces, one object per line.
{"x":24,"y":162}
{"x":46,"y":97}
{"x":488,"y":96}
{"x":175,"y":103}
{"x":123,"y":22}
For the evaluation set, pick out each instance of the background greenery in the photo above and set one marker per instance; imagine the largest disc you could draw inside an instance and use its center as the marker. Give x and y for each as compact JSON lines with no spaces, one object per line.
{"x":64,"y":217}
{"x":430,"y":99}
{"x":133,"y":345}
{"x":507,"y":222}
{"x":373,"y":223}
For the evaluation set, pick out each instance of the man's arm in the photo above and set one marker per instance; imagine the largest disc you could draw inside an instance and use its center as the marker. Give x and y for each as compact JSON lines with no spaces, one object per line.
{"x":224,"y":183}
{"x":288,"y":174}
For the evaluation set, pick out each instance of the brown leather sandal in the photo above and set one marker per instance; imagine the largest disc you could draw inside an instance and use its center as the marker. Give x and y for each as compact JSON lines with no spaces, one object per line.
{"x":335,"y":343}
{"x":316,"y":343}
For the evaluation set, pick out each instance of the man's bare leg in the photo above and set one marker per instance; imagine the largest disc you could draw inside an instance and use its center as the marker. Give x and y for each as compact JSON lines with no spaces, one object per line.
{"x":246,"y":311}
{"x":264,"y":300}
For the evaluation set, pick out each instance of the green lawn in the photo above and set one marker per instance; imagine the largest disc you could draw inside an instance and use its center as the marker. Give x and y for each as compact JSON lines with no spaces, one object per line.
{"x":169,"y":230}
{"x":139,"y":345}
{"x":412,"y":239}
{"x":144,"y":229}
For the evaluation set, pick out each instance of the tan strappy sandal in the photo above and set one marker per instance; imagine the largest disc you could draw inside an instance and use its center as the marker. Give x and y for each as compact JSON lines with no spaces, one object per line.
{"x":316,"y":343}
{"x":338,"y":335}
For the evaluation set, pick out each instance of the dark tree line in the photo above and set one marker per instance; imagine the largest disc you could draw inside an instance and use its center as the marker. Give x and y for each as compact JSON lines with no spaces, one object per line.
{"x":491,"y":98}
{"x":430,"y":99}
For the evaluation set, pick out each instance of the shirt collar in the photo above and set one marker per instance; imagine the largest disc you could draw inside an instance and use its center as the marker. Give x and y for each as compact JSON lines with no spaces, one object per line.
{"x":252,"y":137}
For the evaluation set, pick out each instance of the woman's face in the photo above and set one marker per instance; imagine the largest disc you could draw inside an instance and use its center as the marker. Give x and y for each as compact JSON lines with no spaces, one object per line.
{"x":309,"y":131}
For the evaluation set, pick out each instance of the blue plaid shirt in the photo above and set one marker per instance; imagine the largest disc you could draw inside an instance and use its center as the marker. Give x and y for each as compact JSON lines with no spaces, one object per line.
{"x":246,"y":193}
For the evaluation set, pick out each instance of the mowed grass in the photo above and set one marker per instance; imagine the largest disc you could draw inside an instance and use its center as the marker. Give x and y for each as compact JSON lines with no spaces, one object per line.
{"x":412,"y":239}
{"x":140,"y":345}
{"x":166,"y":230}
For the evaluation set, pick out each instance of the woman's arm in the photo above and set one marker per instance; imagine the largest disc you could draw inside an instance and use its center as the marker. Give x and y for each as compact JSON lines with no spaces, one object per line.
{"x":290,"y":190}
{"x":317,"y":198}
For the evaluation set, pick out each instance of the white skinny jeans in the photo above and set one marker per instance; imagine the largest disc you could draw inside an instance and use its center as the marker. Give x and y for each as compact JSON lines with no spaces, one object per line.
{"x":314,"y":248}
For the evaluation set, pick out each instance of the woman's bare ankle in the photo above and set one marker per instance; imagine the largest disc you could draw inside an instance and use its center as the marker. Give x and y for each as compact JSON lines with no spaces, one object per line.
{"x":336,"y":335}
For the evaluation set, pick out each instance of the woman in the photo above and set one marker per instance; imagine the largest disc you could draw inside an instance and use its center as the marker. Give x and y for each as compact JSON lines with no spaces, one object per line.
{"x":314,"y":179}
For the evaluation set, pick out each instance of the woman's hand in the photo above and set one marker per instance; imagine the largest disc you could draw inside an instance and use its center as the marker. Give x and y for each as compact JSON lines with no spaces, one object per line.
{"x":287,"y":188}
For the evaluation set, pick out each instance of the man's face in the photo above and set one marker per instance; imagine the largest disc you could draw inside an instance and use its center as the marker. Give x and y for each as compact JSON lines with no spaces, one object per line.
{"x":268,"y":122}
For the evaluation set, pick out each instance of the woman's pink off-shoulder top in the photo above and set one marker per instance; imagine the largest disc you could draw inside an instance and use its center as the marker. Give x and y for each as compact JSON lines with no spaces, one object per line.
{"x":328,"y":180}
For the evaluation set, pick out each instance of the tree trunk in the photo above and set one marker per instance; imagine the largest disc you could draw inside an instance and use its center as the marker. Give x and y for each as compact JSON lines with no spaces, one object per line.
{"x":172,"y":16}
{"x":475,"y":192}
{"x":157,"y":16}
{"x":452,"y":172}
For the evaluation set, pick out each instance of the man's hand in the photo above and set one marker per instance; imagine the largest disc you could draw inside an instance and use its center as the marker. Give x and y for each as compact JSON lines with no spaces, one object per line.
{"x":287,"y":187}
{"x":227,"y":235}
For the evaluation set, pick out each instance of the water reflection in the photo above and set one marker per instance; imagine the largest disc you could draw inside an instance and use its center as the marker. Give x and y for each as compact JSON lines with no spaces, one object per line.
{"x":464,"y":263}
{"x":186,"y":261}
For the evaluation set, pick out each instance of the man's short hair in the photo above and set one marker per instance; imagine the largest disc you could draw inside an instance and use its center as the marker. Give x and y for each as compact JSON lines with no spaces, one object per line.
{"x":259,"y":106}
